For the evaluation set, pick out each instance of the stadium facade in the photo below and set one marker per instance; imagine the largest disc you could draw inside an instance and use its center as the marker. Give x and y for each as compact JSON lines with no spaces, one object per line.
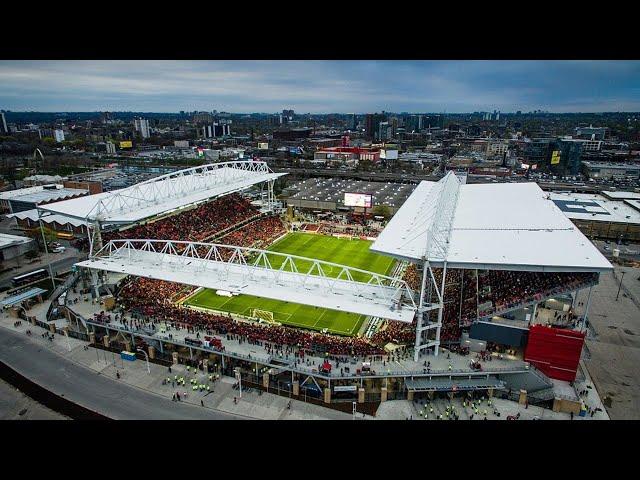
{"x":444,"y":230}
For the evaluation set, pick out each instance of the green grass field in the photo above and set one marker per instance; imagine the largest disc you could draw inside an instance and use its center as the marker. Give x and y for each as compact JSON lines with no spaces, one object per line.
{"x":354,"y":253}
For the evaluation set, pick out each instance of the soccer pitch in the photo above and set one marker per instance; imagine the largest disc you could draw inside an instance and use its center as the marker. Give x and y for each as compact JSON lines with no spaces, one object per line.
{"x":354,"y":253}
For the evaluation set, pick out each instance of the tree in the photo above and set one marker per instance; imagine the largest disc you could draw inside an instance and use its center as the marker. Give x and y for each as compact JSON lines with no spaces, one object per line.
{"x":382,"y":211}
{"x":37,"y":233}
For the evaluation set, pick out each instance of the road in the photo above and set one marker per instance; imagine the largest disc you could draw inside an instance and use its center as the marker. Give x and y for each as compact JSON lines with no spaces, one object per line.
{"x":91,"y":390}
{"x":15,"y":405}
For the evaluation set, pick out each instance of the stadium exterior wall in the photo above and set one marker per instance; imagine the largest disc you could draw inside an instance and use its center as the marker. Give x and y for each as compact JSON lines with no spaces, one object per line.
{"x":555,"y":351}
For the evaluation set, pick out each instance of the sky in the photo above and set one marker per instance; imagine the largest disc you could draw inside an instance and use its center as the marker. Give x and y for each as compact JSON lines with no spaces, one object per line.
{"x":342,"y":86}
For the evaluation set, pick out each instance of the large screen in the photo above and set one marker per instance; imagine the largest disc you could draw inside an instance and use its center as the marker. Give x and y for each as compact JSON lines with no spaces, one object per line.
{"x":357,"y":200}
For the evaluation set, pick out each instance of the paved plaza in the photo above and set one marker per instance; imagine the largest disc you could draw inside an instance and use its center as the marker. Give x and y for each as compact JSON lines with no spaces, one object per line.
{"x":613,"y":344}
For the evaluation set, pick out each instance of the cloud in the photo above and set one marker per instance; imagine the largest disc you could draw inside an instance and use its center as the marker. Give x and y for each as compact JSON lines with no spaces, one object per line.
{"x":319,"y":86}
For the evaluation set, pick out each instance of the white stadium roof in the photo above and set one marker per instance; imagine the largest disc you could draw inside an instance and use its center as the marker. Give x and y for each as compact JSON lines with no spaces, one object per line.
{"x":165,"y":193}
{"x":240,"y":274}
{"x":506,"y":226}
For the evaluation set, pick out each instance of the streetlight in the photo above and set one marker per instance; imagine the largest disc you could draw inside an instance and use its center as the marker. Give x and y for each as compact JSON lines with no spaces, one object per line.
{"x":620,"y":286}
{"x":239,"y":379}
{"x":146,"y":357}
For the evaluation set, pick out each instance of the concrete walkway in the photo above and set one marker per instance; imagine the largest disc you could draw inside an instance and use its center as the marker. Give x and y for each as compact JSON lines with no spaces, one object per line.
{"x":67,"y":367}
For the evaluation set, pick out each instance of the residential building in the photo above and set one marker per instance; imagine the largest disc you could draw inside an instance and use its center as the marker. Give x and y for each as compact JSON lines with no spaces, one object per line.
{"x":142,"y":126}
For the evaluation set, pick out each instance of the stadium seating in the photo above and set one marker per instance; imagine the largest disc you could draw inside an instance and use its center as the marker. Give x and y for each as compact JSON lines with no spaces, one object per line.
{"x":152,"y":301}
{"x":196,"y":224}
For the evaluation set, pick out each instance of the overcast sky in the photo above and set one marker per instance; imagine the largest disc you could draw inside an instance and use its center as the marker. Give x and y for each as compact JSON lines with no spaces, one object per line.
{"x":320,"y":86}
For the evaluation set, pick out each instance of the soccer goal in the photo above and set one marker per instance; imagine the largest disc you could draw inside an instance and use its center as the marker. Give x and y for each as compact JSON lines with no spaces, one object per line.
{"x":265,"y":315}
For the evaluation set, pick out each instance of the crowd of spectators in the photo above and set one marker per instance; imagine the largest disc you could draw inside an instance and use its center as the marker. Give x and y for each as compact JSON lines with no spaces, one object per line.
{"x":395,"y":332}
{"x":348,"y":229}
{"x":152,"y":300}
{"x":193,"y":225}
{"x":501,"y":289}
{"x":259,"y":233}
{"x":491,"y":292}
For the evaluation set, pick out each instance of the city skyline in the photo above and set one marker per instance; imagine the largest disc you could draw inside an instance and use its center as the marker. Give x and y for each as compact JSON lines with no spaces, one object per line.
{"x":320,"y":86}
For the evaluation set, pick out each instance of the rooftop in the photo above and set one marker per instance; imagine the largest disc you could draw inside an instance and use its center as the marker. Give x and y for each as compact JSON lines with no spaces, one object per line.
{"x":44,"y":196}
{"x":506,"y":226}
{"x":589,"y":206}
{"x":24,"y":191}
{"x":10,"y":240}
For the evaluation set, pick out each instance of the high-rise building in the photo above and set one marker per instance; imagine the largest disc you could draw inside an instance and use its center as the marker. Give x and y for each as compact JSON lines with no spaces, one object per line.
{"x":372,"y":125}
{"x":385,"y":131}
{"x":394,"y":123}
{"x":288,"y":115}
{"x":142,"y":126}
{"x":58,"y":135}
{"x":351,"y":123}
{"x":3,"y":123}
{"x":111,"y":148}
{"x":216,"y":130}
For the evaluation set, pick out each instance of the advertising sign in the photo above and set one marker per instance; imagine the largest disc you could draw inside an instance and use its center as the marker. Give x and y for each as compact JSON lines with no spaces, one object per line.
{"x":126,"y":144}
{"x":555,"y":157}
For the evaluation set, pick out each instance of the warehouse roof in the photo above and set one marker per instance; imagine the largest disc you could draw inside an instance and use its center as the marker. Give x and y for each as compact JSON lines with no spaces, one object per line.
{"x":7,"y":240}
{"x":47,"y":218}
{"x":595,"y":207}
{"x":52,"y":195}
{"x":9,"y":194}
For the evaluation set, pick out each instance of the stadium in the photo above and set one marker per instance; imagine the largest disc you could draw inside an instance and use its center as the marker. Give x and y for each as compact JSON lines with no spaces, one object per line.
{"x":467,"y":290}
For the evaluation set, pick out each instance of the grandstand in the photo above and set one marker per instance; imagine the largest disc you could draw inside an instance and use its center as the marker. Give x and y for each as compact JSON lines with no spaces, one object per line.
{"x":509,"y":240}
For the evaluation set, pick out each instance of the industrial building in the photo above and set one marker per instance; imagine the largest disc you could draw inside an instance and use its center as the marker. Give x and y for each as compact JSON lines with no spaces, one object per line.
{"x":608,"y":170}
{"x":21,"y":201}
{"x":14,"y":246}
{"x":610,"y":215}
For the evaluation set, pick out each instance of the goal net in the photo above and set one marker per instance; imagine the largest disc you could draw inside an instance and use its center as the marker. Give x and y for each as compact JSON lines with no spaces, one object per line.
{"x":265,"y":315}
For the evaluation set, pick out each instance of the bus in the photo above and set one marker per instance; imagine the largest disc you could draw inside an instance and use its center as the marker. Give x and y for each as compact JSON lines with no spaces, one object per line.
{"x":29,"y":277}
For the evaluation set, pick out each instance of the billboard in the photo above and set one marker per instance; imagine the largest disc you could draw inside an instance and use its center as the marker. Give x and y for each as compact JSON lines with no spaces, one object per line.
{"x":555,"y":157}
{"x":263,"y":146}
{"x":388,"y":154}
{"x":126,"y":144}
{"x":357,"y":200}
